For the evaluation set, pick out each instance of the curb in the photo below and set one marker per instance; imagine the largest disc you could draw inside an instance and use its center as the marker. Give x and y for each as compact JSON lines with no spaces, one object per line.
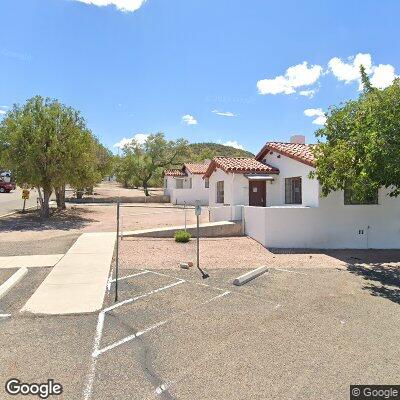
{"x":12,"y":280}
{"x":16,"y":212}
{"x":248,"y":276}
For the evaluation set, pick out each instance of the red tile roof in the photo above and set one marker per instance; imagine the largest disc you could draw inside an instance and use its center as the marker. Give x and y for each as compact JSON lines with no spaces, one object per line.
{"x":240,"y":165}
{"x":196,"y":168}
{"x":174,"y":172}
{"x":298,"y":152}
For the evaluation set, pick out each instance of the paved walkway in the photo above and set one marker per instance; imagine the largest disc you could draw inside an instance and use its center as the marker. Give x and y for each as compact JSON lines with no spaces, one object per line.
{"x":30,"y":261}
{"x":78,"y":282}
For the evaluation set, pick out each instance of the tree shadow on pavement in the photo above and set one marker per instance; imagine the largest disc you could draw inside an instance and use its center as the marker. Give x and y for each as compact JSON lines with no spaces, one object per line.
{"x":385,"y":279}
{"x":379,"y":268}
{"x":31,"y":221}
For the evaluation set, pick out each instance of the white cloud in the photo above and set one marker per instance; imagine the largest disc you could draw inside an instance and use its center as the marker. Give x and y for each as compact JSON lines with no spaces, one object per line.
{"x":382,"y":76}
{"x":307,"y":93}
{"x":316,"y":112}
{"x":297,"y":76}
{"x":189,"y":119}
{"x":122,"y":5}
{"x":139,"y":137}
{"x":224,"y":113}
{"x":3,"y":109}
{"x":234,"y":143}
{"x":2,"y":112}
{"x":350,"y":71}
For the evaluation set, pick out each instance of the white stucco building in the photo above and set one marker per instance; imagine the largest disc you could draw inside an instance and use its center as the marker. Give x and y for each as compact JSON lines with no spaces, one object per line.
{"x":186,"y":185}
{"x":282,"y":207}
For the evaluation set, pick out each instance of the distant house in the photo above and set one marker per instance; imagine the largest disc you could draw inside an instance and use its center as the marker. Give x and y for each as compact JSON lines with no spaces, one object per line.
{"x":281,"y":206}
{"x":186,"y":185}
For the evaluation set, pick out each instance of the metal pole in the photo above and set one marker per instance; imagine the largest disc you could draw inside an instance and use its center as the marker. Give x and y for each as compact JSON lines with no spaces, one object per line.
{"x":184,"y":206}
{"x":198,"y":242}
{"x":204,"y":274}
{"x":117,"y":254}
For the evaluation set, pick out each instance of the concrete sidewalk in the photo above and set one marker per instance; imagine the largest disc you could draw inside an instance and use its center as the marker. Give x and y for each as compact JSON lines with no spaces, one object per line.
{"x":78,"y":282}
{"x":48,"y":260}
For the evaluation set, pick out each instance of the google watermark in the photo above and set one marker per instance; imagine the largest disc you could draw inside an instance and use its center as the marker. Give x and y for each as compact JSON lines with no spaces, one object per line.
{"x":374,"y":392}
{"x":44,"y":390}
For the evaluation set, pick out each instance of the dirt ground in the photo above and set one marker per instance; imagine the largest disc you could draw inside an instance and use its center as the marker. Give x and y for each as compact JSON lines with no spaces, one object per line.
{"x":111,"y":189}
{"x":93,"y":218}
{"x":241,"y":252}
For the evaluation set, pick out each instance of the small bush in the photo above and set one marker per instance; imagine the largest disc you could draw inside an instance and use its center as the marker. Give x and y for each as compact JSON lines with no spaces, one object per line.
{"x":182,"y":236}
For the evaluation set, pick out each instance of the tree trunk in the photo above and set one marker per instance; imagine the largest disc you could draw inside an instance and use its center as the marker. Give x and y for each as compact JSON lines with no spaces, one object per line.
{"x":60,"y":198}
{"x":45,"y":211}
{"x":146,"y":189}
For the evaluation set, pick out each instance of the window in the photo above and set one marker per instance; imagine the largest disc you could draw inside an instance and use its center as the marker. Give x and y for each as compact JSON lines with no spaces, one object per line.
{"x":179,"y":183}
{"x":220,"y":192}
{"x":293,"y":190}
{"x":206,"y":183}
{"x":190,"y":183}
{"x":165,"y":183}
{"x":351,"y":199}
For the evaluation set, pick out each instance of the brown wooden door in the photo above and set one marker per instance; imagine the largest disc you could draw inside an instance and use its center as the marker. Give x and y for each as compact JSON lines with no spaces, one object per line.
{"x":257,"y":193}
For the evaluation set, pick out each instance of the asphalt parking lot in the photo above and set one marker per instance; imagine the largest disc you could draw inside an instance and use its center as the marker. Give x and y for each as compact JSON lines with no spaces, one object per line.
{"x":289,"y":334}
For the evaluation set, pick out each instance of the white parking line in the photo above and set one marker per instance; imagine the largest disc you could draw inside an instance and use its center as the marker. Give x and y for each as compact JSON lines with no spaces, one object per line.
{"x":189,"y":281}
{"x":130,"y":276}
{"x":150,"y":328}
{"x":287,"y":270}
{"x":5,"y":315}
{"x":12,"y":280}
{"x":142,"y":296}
{"x":87,"y":392}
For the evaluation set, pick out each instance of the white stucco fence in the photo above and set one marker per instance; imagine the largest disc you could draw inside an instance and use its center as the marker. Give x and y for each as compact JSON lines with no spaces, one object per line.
{"x":325,"y":227}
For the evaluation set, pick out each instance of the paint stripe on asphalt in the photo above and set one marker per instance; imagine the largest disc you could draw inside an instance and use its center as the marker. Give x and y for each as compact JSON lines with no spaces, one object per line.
{"x":12,"y":280}
{"x":143,"y":296}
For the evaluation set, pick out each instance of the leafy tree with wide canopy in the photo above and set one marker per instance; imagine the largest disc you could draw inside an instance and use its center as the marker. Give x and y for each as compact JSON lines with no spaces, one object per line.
{"x":143,"y":162}
{"x":47,"y":145}
{"x":360,"y":143}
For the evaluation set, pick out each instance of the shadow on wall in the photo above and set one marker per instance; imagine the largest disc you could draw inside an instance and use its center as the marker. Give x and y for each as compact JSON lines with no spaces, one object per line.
{"x":380,"y":269}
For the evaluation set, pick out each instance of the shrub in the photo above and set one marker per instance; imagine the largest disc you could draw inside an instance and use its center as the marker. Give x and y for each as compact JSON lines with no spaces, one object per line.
{"x":182,"y":236}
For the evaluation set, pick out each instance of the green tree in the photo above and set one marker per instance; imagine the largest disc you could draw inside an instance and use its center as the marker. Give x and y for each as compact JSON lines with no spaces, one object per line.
{"x":47,"y":145}
{"x":143,"y":163}
{"x":360,"y":146}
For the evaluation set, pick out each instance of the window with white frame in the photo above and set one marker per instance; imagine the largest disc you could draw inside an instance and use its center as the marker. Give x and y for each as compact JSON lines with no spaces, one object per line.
{"x":293,"y":190}
{"x":206,"y":183}
{"x":220,"y":192}
{"x":179,"y":183}
{"x":165,"y":183}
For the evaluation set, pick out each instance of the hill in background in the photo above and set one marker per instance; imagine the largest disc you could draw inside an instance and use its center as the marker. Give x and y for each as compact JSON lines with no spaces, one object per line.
{"x":204,"y":151}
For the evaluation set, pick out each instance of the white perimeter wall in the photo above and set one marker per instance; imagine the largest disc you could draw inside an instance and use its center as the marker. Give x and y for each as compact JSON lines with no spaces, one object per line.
{"x":180,"y":196}
{"x":329,"y":226}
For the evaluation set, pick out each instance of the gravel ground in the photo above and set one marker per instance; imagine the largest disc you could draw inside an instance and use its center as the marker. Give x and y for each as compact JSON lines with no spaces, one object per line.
{"x":235,"y":252}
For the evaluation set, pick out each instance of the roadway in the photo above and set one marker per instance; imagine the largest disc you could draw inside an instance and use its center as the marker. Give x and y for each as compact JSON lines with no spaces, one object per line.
{"x":10,"y":202}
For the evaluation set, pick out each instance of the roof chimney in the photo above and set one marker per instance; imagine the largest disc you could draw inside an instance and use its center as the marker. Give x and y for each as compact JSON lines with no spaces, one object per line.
{"x":299,"y":139}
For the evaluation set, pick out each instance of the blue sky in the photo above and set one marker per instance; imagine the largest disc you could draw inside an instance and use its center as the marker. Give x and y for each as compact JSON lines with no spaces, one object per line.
{"x":205,"y":70}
